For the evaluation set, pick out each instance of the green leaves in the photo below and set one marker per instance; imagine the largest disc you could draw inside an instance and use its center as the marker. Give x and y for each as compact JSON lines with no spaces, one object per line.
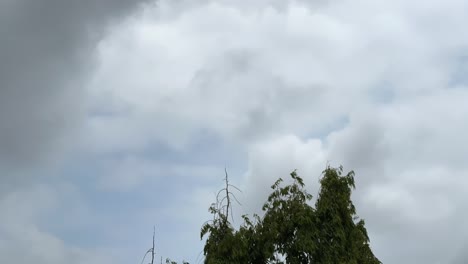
{"x":341,"y":239}
{"x":291,"y":229}
{"x":289,"y":220}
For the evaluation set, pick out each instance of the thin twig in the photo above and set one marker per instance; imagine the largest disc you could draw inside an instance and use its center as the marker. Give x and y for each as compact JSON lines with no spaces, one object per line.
{"x":149,"y":250}
{"x":152,"y":251}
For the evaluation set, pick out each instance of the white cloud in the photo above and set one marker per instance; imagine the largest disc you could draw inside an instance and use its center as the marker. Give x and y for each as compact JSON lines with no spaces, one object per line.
{"x":242,"y":75}
{"x":277,"y":158}
{"x":409,"y":172}
{"x":276,"y":79}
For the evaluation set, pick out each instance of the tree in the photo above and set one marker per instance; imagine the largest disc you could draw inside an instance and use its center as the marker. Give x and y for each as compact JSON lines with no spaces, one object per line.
{"x":340,"y":238}
{"x":291,"y":230}
{"x":222,"y":244}
{"x":289,"y":222}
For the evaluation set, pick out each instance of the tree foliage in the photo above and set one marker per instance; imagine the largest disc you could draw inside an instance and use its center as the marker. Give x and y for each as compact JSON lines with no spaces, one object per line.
{"x":292,"y":230}
{"x":341,"y":238}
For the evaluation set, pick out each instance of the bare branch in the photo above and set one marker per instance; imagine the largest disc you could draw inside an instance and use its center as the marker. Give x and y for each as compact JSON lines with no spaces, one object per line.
{"x":233,"y":196}
{"x":152,"y":250}
{"x":219,"y":192}
{"x":149,"y":250}
{"x":230,"y":185}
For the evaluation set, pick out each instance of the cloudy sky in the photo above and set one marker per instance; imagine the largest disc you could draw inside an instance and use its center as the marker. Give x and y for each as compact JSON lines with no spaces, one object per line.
{"x":117,"y":115}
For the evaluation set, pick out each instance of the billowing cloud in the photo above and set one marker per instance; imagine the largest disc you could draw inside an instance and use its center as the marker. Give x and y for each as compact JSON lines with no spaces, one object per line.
{"x":184,"y":88}
{"x":374,"y":86}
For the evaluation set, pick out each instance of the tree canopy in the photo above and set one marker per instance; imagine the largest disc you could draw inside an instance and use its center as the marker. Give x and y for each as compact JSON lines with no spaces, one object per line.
{"x":291,"y":230}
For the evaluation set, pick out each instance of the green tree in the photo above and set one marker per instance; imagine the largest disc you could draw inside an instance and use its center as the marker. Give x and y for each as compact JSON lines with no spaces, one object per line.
{"x":291,"y":230}
{"x":340,"y":239}
{"x":289,"y":222}
{"x":255,"y":238}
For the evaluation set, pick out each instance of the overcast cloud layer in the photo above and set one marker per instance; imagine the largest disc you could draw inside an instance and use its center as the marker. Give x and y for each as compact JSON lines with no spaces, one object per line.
{"x":119,"y":115}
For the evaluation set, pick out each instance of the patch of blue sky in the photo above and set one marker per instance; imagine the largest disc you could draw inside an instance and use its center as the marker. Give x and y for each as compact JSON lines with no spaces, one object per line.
{"x":107,"y":206}
{"x":109,"y":211}
{"x":334,"y":125}
{"x":459,"y":75}
{"x":204,"y":148}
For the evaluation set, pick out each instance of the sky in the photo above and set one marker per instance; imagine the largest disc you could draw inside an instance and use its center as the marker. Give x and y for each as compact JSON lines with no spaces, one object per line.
{"x":120,"y":115}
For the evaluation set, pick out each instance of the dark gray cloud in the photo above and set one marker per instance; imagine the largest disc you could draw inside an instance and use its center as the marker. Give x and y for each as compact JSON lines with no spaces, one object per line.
{"x":45,"y":50}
